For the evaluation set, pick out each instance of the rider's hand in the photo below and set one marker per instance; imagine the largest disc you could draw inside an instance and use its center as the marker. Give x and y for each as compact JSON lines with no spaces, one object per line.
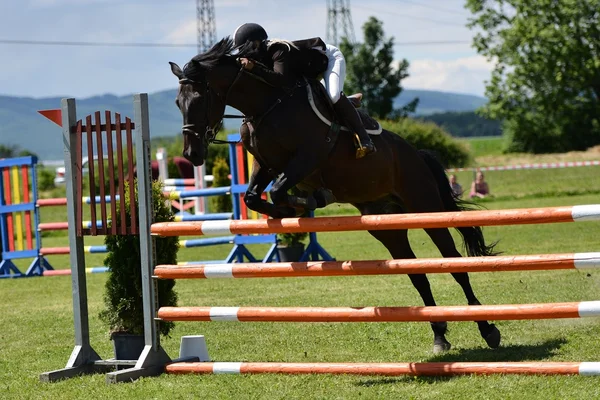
{"x":247,"y":64}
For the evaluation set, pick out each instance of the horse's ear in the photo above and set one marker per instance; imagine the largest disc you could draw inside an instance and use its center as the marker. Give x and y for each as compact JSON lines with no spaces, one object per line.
{"x":176,"y":70}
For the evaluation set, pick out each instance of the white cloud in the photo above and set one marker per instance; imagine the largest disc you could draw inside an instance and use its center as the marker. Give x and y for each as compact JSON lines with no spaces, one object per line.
{"x":185,"y":32}
{"x":463,"y":75}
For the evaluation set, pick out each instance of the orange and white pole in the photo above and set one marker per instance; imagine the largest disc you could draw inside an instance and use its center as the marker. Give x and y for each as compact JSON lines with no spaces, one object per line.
{"x":381,"y":267}
{"x":390,"y":369}
{"x":382,"y":222}
{"x":383,"y":314}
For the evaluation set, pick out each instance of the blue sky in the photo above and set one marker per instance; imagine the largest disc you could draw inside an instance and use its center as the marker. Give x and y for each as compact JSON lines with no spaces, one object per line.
{"x":42,"y":71}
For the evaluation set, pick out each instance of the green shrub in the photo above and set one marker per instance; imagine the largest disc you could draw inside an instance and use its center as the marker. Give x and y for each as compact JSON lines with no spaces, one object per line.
{"x":291,"y":239}
{"x":174,"y":147}
{"x":215,"y":152}
{"x":123,"y":303}
{"x":221,"y":178}
{"x":427,"y":135}
{"x":45,"y":179}
{"x":172,"y":170}
{"x":295,"y":238}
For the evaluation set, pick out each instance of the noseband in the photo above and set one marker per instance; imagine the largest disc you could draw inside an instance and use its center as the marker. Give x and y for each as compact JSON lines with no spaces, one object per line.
{"x":211,"y":131}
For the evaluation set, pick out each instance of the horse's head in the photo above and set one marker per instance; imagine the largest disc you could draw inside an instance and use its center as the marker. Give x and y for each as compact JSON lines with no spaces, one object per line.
{"x":204,"y":83}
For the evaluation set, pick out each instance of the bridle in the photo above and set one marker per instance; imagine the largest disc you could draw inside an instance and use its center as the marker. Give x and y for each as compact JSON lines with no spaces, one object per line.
{"x":210,"y":132}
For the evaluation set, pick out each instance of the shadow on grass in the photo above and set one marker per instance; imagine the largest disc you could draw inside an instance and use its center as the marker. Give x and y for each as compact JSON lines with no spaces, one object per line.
{"x":512,"y":353}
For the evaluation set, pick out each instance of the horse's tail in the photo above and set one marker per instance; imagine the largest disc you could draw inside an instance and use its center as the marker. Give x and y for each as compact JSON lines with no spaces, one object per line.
{"x":472,"y":235}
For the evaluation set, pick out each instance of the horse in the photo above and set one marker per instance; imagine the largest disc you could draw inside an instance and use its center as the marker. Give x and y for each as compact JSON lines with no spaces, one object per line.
{"x":292,"y":146}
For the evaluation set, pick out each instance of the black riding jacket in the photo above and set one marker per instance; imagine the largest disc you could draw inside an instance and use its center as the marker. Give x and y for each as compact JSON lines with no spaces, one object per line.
{"x":286,"y":65}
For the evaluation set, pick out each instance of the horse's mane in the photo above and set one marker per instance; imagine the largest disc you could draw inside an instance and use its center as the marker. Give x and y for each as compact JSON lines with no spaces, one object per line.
{"x":197,"y":66}
{"x":225,"y":51}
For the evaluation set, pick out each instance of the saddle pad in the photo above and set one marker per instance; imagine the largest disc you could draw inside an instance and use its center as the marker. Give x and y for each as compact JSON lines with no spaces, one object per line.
{"x":371,"y":125}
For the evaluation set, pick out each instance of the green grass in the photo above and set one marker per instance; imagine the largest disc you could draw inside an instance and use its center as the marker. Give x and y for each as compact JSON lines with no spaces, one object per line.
{"x":37,"y":328}
{"x":485,"y":146}
{"x":37,"y":322}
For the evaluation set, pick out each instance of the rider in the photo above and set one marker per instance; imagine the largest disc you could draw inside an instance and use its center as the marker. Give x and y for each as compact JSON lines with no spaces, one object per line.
{"x":289,"y":62}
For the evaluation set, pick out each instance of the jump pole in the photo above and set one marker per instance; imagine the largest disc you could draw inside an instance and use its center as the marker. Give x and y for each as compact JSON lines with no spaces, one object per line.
{"x":381,"y":267}
{"x":390,"y":369}
{"x":503,"y":312}
{"x":384,"y":222}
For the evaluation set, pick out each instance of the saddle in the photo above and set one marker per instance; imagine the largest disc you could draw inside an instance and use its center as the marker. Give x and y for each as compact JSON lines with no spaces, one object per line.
{"x":321,"y":105}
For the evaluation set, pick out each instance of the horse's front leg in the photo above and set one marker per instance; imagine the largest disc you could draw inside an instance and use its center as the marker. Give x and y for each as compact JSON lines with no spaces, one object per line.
{"x":259,"y":180}
{"x":300,"y":166}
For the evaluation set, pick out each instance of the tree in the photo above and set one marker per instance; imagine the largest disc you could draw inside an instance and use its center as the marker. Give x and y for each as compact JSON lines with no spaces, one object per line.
{"x":8,"y":151}
{"x":369,"y":70}
{"x":546,"y":81}
{"x":465,"y":124}
{"x":12,"y":151}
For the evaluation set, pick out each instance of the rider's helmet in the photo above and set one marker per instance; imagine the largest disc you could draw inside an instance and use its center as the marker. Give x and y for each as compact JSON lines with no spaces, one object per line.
{"x":248,"y":32}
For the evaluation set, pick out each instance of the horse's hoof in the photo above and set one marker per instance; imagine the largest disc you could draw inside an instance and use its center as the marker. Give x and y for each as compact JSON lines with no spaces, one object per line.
{"x":441,"y":347}
{"x":493,"y":338}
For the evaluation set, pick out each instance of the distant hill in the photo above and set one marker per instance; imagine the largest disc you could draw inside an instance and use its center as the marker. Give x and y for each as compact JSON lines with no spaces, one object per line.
{"x":21,"y":125}
{"x":431,"y":102}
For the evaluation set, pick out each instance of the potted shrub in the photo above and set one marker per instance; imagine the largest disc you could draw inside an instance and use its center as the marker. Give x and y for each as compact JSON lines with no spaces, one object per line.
{"x":123,"y":301}
{"x":290,"y":246}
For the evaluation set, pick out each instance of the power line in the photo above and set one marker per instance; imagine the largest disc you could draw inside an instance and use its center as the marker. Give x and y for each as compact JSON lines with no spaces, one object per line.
{"x":432,"y":42}
{"x":436,"y":8}
{"x":125,"y":44}
{"x":109,"y":44}
{"x":388,"y":12}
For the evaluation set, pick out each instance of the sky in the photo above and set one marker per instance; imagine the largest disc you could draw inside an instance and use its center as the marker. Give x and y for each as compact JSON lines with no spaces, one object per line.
{"x":34,"y":70}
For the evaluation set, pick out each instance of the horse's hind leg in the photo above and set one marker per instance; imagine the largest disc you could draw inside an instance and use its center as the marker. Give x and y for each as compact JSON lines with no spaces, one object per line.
{"x":444,"y":242}
{"x":397,"y":243}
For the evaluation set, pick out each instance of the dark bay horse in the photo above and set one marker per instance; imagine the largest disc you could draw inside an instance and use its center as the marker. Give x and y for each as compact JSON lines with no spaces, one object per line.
{"x":291,"y":147}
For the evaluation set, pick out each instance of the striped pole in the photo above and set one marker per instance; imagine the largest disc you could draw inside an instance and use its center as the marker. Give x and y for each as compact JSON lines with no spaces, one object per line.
{"x":390,"y":369}
{"x":9,"y":216}
{"x":203,"y":217}
{"x":382,"y":222}
{"x":47,"y":251}
{"x":381,"y":267}
{"x":187,"y":194}
{"x":17,"y":200}
{"x":57,"y":272}
{"x":530,"y":166}
{"x":383,"y":314}
{"x":62,"y":226}
{"x":25,"y":186}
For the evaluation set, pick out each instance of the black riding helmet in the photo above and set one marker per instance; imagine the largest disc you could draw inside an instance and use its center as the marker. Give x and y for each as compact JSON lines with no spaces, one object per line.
{"x":248,"y":32}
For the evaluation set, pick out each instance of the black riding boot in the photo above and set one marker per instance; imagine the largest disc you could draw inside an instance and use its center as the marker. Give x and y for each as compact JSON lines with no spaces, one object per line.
{"x":349,"y":116}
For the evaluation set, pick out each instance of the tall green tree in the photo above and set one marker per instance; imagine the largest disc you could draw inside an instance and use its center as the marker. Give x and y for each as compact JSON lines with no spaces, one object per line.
{"x":369,"y":70}
{"x":546,"y":80}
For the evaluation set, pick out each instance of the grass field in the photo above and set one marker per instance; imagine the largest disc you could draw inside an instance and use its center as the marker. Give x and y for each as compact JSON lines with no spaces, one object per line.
{"x":37,"y":324}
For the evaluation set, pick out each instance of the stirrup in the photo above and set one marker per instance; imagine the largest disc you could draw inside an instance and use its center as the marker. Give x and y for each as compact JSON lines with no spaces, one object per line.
{"x":362,"y":151}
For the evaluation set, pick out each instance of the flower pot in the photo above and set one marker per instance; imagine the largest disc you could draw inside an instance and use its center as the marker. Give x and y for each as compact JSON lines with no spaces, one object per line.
{"x":290,"y":253}
{"x":126,"y":346}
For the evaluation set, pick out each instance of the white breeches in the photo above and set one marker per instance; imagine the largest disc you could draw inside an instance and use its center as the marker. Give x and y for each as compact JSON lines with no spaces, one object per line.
{"x":334,"y":77}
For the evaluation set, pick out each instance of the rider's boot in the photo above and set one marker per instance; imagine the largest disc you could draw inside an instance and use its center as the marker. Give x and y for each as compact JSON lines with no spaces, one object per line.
{"x":346,"y":111}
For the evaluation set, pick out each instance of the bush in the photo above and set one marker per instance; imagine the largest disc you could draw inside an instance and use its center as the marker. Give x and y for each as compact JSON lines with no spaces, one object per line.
{"x":45,"y":179}
{"x":221,"y":178}
{"x":427,"y":135}
{"x":172,"y":170}
{"x":174,"y":146}
{"x":291,"y":239}
{"x":123,"y":303}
